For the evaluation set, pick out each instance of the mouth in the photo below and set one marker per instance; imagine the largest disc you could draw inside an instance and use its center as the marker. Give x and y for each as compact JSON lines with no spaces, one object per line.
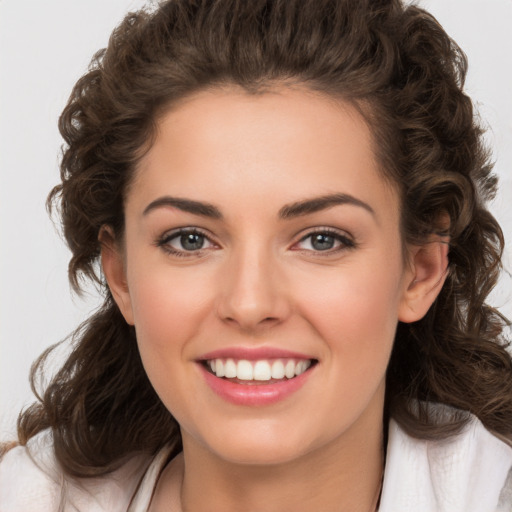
{"x":261,"y":371}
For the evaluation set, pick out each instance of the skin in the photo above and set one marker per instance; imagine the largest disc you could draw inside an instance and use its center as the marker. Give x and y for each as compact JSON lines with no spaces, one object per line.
{"x":259,"y":281}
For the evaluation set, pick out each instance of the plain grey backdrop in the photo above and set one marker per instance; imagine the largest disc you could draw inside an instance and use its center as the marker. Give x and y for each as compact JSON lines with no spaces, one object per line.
{"x":44,"y":48}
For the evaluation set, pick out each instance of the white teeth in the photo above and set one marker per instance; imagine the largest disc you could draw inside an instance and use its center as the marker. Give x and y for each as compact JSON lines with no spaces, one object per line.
{"x":230,"y":369}
{"x":219,"y":368}
{"x":262,"y":370}
{"x":302,"y":366}
{"x":289,"y":369}
{"x":277,"y":370}
{"x":244,"y":370}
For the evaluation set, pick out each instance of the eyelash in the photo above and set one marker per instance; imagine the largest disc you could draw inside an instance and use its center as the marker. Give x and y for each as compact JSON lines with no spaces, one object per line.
{"x":345,"y":242}
{"x":164,"y":242}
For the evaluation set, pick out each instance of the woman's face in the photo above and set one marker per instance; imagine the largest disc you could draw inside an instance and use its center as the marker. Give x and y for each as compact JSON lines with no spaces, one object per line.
{"x":261,"y":240}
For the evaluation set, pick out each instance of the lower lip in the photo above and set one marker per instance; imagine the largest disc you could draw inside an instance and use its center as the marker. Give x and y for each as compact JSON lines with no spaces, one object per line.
{"x":254,"y":394}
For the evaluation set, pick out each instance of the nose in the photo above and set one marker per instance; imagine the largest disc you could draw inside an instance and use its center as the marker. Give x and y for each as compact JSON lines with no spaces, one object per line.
{"x":253,"y":291}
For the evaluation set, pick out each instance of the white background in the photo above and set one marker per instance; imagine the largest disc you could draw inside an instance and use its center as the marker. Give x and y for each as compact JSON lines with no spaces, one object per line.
{"x":45,"y":46}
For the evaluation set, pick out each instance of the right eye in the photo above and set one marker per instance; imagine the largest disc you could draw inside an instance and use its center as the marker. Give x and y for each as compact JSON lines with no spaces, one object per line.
{"x":185,"y":241}
{"x":324,"y":241}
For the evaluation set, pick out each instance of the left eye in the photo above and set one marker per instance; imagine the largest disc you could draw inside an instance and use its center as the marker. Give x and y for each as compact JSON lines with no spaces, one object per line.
{"x":186,"y":241}
{"x":324,"y":241}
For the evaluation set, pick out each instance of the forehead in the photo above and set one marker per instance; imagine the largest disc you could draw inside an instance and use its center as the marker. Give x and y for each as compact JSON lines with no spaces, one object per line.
{"x":283,"y":145}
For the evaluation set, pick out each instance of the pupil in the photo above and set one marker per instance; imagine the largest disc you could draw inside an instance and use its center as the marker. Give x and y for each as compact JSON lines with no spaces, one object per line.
{"x":323,"y":242}
{"x":192,"y":241}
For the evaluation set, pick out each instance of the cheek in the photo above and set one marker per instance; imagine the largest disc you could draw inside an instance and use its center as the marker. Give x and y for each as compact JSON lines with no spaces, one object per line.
{"x":169,"y":311}
{"x":355,"y":316}
{"x":168,"y":308}
{"x":356,"y":310}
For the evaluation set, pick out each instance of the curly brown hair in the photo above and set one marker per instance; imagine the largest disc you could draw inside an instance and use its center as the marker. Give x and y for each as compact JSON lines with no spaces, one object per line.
{"x":406,"y":76}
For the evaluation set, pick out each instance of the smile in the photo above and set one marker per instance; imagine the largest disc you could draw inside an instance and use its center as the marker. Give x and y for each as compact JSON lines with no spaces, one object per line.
{"x":256,"y":377}
{"x":263,"y":370}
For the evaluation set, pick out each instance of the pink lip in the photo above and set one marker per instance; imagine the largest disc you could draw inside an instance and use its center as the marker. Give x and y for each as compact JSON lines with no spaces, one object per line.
{"x":252,"y":354}
{"x":257,"y":394}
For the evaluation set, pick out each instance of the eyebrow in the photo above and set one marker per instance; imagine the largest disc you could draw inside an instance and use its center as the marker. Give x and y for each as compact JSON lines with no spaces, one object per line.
{"x":317,"y":204}
{"x":288,"y":211}
{"x":186,"y":205}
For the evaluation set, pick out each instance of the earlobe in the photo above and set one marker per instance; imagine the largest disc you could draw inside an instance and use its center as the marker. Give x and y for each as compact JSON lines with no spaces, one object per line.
{"x":424,"y":281}
{"x":113,"y":265}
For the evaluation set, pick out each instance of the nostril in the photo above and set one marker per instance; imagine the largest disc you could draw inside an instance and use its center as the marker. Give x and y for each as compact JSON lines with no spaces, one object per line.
{"x":248,"y":311}
{"x":246,"y":324}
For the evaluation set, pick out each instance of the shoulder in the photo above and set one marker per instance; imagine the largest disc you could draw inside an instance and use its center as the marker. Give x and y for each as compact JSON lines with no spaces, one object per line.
{"x":31,"y":479}
{"x":469,"y":472}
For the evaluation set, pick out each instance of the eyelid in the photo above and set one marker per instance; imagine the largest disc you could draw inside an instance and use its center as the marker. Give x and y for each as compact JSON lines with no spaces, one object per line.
{"x":345,"y":239}
{"x":163,"y":241}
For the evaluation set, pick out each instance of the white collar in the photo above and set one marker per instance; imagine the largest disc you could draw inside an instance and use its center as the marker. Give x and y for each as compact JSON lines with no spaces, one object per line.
{"x":464,"y":473}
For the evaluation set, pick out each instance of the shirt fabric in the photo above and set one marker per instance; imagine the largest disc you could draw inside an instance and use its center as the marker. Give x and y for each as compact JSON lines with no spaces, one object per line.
{"x":469,"y":472}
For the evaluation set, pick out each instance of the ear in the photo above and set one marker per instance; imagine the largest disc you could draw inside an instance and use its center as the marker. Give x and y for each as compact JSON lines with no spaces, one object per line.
{"x":113,"y":264}
{"x":425,"y":278}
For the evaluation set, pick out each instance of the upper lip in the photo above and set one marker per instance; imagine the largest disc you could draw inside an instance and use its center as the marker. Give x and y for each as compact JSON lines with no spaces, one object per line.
{"x":253,"y":354}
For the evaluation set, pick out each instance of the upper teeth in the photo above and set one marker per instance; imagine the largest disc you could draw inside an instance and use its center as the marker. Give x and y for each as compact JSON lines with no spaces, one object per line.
{"x":258,"y":370}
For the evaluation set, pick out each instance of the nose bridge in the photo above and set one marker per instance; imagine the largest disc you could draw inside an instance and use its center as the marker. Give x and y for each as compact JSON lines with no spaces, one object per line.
{"x":252,"y":292}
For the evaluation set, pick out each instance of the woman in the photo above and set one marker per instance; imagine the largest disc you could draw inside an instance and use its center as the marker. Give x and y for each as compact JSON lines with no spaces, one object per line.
{"x":287,"y":201}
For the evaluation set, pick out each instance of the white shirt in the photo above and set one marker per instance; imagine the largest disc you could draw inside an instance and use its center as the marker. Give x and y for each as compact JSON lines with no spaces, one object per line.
{"x":471,"y":472}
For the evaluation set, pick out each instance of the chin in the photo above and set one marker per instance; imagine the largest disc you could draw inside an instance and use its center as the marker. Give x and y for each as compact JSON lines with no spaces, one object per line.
{"x":259,"y":446}
{"x":260,"y":454}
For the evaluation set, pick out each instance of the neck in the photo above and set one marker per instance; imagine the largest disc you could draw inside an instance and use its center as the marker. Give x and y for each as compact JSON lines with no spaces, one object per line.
{"x":344,"y":475}
{"x":287,"y":487}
